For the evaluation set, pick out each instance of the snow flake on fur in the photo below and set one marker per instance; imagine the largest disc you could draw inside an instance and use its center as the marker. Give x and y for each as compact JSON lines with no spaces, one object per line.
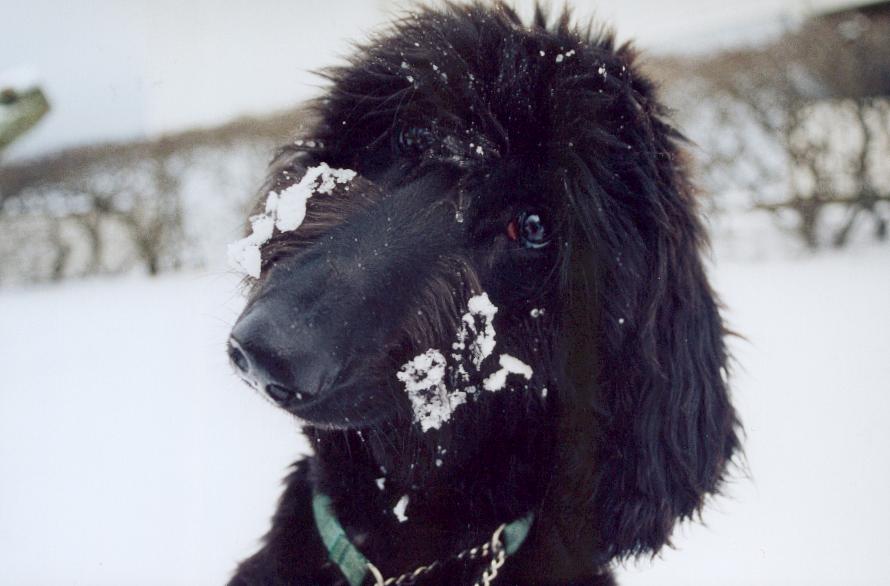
{"x":285,"y":211}
{"x":426,"y":376}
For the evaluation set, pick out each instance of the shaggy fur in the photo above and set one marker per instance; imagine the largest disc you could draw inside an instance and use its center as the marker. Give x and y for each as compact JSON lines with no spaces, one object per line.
{"x":461,"y":122}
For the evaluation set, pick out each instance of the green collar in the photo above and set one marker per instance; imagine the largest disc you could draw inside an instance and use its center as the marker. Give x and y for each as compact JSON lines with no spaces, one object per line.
{"x":355,"y":566}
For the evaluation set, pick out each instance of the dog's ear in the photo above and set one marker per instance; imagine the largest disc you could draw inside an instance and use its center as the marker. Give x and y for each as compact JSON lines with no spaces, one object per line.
{"x":647,"y":408}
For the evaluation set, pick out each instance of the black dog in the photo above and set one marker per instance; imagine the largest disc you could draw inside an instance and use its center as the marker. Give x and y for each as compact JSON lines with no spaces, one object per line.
{"x":500,"y":323}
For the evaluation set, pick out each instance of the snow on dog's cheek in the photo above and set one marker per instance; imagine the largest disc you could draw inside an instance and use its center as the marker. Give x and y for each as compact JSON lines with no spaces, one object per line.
{"x":509,"y":365}
{"x":483,"y":343}
{"x":399,"y":509}
{"x":424,"y":379}
{"x":424,"y":375}
{"x":285,"y":211}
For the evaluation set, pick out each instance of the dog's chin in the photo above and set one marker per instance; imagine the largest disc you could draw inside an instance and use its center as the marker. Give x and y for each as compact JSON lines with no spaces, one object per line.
{"x":341,"y":410}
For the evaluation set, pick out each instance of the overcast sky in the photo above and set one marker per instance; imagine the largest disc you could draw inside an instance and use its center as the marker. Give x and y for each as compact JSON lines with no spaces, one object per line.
{"x":118,"y":69}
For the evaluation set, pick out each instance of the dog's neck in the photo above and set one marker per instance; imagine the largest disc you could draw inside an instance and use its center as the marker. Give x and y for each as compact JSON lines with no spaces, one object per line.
{"x":404,"y":512}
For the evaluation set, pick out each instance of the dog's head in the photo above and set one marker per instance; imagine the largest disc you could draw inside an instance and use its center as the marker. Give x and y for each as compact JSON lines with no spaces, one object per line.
{"x":516,"y":257}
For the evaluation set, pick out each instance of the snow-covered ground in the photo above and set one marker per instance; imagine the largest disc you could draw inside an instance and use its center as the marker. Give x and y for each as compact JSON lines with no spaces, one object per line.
{"x":813,"y":388}
{"x":129,"y":453}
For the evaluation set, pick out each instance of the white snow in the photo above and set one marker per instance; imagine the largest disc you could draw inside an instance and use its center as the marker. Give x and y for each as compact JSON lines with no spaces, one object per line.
{"x":509,"y":365}
{"x":424,"y":375}
{"x":285,"y":211}
{"x":289,"y":207}
{"x":20,"y":79}
{"x":515,"y":366}
{"x":126,"y":438}
{"x":483,"y":343}
{"x":562,"y":56}
{"x":245,"y":256}
{"x":481,"y":305}
{"x":425,"y":371}
{"x":399,"y":509}
{"x":245,"y":253}
{"x":424,"y":379}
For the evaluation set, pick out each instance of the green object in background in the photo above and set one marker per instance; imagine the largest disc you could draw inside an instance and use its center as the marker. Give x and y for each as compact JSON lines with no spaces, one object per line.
{"x":20,"y":109}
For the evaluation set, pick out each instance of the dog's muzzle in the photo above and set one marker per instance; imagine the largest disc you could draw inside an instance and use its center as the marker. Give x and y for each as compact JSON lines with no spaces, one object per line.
{"x":323,"y":318}
{"x":283,"y":360}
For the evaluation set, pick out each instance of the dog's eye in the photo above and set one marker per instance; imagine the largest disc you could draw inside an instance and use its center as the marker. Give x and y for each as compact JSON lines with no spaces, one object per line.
{"x":529,"y":228}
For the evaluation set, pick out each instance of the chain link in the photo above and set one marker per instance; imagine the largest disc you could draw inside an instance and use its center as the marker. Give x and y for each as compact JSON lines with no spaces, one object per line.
{"x":493,"y":548}
{"x":490,"y":573}
{"x":497,"y":560}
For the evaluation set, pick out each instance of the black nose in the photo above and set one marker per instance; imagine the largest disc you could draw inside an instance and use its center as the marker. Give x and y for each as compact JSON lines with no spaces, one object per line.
{"x":277,"y":353}
{"x":256,"y":368}
{"x":237,"y":357}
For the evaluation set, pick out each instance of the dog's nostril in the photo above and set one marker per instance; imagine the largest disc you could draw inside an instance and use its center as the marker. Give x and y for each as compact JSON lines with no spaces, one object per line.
{"x":282,"y":394}
{"x":238,"y":358}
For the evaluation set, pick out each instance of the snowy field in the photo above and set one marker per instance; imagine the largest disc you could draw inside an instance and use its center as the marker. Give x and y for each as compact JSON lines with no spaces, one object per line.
{"x":129,"y":453}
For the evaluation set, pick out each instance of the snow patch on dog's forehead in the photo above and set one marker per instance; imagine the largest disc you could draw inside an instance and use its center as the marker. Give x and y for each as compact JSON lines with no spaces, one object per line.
{"x":290,"y":205}
{"x":245,"y":253}
{"x":285,"y":211}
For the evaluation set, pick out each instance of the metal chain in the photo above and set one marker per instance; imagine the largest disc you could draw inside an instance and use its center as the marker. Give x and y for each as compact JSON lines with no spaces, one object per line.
{"x":490,"y":573}
{"x":497,"y":560}
{"x":493,"y":546}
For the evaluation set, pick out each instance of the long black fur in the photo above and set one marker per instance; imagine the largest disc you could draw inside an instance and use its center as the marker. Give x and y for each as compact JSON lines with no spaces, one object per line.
{"x":466,"y":111}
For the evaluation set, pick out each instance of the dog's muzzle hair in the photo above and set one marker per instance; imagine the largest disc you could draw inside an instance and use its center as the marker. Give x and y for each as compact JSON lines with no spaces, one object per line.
{"x":350,"y":294}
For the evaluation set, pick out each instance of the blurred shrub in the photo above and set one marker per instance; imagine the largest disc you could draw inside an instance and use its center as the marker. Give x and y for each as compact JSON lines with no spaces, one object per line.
{"x":160,"y":204}
{"x":798,"y":129}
